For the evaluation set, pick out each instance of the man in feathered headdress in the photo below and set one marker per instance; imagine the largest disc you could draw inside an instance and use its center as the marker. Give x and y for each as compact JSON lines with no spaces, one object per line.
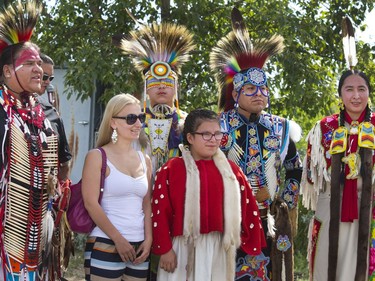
{"x":29,"y":162}
{"x":260,"y":143}
{"x":159,"y":51}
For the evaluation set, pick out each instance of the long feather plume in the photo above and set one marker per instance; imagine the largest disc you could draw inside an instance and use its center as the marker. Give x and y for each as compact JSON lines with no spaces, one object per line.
{"x":240,"y":30}
{"x":165,"y":42}
{"x":236,"y":52}
{"x":17,"y":23}
{"x":349,"y":42}
{"x":133,"y":18}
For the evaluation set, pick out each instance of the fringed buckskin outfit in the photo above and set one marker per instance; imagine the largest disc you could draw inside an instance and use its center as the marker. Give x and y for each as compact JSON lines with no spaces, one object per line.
{"x":197,"y":209}
{"x":260,"y":145}
{"x":338,"y":181}
{"x":28,"y":170}
{"x":349,"y":233}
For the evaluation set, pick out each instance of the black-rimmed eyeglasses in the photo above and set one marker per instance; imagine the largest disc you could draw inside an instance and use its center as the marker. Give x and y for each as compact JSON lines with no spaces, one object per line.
{"x":208,"y":136}
{"x":132,"y":118}
{"x":48,"y":77}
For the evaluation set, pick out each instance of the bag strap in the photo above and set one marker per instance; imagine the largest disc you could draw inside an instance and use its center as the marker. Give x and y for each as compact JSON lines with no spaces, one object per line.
{"x":104,"y":168}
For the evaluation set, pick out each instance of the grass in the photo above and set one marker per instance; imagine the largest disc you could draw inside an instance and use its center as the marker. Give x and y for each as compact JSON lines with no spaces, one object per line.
{"x":75,"y":270}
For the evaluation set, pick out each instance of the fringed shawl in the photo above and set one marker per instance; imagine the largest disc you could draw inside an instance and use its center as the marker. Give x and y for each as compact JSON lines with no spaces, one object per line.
{"x":321,"y":168}
{"x":232,"y":207}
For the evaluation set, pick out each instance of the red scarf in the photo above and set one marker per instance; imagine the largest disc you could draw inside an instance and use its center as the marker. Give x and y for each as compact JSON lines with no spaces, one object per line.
{"x":349,"y":206}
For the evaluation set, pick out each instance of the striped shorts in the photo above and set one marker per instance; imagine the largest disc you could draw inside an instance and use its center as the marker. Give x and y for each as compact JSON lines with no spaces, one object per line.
{"x":102,"y":262}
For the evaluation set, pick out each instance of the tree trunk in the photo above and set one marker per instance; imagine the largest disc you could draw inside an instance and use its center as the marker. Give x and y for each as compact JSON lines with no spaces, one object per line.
{"x":5,"y":3}
{"x":165,"y":10}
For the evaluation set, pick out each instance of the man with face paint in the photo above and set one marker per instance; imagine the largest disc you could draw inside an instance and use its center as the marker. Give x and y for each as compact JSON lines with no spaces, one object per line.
{"x":159,"y":51}
{"x":28,"y":162}
{"x":261,"y":144}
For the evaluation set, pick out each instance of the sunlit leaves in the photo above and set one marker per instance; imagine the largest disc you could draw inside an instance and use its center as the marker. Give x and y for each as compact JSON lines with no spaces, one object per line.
{"x":77,"y":34}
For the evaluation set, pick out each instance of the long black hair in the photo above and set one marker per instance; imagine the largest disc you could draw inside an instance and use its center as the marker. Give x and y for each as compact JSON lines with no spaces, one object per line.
{"x":337,"y":186}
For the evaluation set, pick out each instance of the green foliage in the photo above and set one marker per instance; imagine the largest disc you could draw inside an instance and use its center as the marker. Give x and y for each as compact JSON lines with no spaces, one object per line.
{"x":301,"y":267}
{"x":300,"y":243}
{"x":77,"y":34}
{"x":79,"y":242}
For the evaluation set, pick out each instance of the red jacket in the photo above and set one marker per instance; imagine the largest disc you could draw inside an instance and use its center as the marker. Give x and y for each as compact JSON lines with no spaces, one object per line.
{"x":168,"y":205}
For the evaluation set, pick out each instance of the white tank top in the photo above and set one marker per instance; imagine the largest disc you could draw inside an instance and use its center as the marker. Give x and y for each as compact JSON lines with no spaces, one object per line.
{"x":122,"y":202}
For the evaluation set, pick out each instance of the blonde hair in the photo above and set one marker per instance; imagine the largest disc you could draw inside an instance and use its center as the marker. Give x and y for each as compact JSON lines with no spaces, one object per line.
{"x":113,"y":108}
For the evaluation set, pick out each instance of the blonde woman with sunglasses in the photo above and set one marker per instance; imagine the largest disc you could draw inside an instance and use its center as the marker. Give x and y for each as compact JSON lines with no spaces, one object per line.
{"x":119,"y":246}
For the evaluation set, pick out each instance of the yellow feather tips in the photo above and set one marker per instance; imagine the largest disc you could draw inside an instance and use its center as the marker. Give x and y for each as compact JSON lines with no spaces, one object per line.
{"x":166,"y":42}
{"x":17,"y":23}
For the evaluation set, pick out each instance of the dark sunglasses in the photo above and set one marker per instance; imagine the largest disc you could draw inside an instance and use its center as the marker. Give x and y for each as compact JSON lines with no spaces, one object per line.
{"x":132,"y":118}
{"x":50,"y":77}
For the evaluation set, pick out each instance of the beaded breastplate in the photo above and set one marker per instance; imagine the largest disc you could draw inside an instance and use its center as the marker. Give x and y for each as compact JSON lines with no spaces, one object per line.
{"x":29,"y":181}
{"x":164,"y":136}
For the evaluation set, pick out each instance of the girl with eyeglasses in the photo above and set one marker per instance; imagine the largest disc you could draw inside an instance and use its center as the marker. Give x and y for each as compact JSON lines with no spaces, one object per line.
{"x":119,"y":246}
{"x":203,"y":208}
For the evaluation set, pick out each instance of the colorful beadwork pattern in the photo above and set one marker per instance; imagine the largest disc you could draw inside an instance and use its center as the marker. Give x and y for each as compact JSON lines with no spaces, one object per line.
{"x":254,"y":267}
{"x":283,"y":243}
{"x":366,"y":137}
{"x":372,"y":244}
{"x":339,"y":140}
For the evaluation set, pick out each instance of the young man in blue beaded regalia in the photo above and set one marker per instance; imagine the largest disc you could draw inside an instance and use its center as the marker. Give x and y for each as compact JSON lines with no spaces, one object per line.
{"x":260,"y":143}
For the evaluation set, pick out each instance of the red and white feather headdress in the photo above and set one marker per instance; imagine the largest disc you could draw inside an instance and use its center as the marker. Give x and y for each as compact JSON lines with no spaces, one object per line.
{"x":17,"y":23}
{"x":237,"y":61}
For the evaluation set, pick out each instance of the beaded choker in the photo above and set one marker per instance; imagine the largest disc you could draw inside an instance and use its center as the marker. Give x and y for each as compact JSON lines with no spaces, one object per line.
{"x":26,"y":107}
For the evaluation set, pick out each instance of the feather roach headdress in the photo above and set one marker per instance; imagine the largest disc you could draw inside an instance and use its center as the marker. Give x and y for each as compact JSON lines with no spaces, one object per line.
{"x":348,"y":42}
{"x":17,"y":23}
{"x":159,"y":51}
{"x":237,"y":61}
{"x":167,"y":43}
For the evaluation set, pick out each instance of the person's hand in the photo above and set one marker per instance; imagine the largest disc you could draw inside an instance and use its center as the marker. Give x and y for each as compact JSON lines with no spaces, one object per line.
{"x":125,"y":249}
{"x":143,"y":252}
{"x":168,"y":261}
